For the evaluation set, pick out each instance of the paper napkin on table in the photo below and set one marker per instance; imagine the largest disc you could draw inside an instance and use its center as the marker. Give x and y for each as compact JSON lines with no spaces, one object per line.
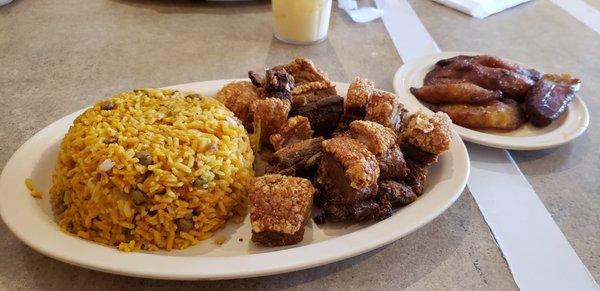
{"x":481,"y":8}
{"x":360,"y":15}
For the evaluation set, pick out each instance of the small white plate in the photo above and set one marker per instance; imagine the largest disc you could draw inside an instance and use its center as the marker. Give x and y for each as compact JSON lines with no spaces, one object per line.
{"x":31,"y":220}
{"x":572,"y":123}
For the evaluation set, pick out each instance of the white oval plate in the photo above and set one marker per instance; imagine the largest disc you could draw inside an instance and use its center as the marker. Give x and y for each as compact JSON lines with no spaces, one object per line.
{"x":31,"y":220}
{"x":572,"y":123}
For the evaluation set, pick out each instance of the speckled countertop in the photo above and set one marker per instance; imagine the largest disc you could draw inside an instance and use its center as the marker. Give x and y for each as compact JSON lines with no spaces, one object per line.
{"x":59,"y":56}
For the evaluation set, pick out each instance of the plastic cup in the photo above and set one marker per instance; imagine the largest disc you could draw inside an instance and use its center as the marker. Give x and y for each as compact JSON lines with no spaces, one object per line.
{"x":301,"y":21}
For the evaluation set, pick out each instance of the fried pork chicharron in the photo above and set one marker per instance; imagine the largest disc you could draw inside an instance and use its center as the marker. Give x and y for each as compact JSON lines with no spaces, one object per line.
{"x":274,"y":84}
{"x":416,"y":154}
{"x":359,"y":164}
{"x":348,"y":175}
{"x":416,"y":177}
{"x":294,"y":130}
{"x":358,"y":95}
{"x":382,"y":142}
{"x":313,"y":95}
{"x":364,"y":154}
{"x":430,"y":133}
{"x":385,"y":108}
{"x":348,"y":171}
{"x":239,"y":97}
{"x":300,"y":159}
{"x":270,"y":114}
{"x":310,"y":83}
{"x":304,"y":71}
{"x":324,"y":114}
{"x":279,"y":209}
{"x":396,"y":192}
{"x":358,"y":211}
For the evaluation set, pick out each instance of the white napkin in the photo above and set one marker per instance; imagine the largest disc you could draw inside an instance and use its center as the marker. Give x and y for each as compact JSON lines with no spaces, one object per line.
{"x":361,"y":15}
{"x":481,"y":8}
{"x":4,"y":2}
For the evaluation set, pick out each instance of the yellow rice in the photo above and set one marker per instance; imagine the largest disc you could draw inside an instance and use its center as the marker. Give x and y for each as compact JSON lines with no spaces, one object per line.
{"x":190,"y":139}
{"x":34,"y":192}
{"x":220,"y":240}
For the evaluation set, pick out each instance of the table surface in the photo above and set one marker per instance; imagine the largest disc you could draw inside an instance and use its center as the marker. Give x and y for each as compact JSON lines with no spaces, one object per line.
{"x":61,"y":55}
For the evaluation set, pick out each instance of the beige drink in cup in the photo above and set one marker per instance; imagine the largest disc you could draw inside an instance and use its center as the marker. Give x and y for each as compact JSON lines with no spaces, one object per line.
{"x":301,"y":21}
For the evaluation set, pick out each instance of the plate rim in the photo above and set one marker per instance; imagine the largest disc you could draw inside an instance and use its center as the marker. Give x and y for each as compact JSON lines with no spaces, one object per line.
{"x":277,"y":257}
{"x":485,"y":138}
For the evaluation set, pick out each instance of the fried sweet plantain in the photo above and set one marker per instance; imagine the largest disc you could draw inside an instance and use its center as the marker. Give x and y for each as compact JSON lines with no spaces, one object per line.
{"x":466,"y":93}
{"x":495,"y":62}
{"x":512,"y":84}
{"x":506,"y":115}
{"x":549,"y":98}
